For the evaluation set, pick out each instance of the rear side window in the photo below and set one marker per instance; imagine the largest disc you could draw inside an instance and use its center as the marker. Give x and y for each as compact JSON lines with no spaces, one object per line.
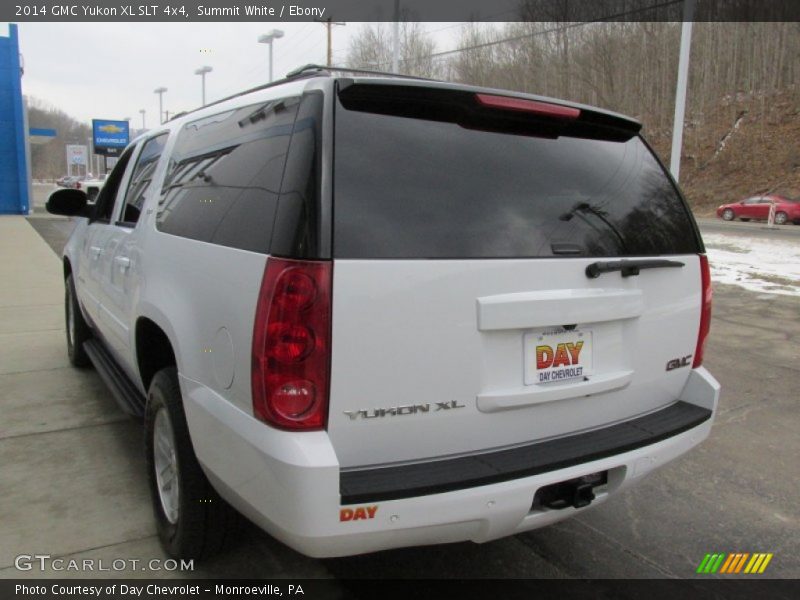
{"x":412,"y":181}
{"x":224,"y":176}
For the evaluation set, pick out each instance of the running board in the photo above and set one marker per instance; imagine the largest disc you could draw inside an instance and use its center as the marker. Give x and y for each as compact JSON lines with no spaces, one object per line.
{"x":126,"y":394}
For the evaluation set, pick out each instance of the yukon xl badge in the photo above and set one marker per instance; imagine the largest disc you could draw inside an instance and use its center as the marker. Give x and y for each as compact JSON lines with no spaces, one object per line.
{"x":399,"y":411}
{"x":677,"y":363}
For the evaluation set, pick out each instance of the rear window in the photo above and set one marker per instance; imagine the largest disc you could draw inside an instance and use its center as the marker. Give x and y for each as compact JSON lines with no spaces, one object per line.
{"x":413,"y":181}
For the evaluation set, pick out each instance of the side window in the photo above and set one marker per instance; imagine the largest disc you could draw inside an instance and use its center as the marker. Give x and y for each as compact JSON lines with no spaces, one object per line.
{"x":224,"y":176}
{"x":104,"y":206}
{"x":141,"y":178}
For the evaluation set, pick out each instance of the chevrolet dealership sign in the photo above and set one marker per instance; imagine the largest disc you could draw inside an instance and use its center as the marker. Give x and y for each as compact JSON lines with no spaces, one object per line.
{"x":110,"y":137}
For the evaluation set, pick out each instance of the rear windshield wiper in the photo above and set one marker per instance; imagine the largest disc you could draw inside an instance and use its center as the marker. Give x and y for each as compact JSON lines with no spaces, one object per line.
{"x":628,"y":267}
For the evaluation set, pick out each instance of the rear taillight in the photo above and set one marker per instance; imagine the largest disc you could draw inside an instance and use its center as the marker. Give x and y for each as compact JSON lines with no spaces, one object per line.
{"x":705,"y":311}
{"x":291,"y":344}
{"x":544,"y":109}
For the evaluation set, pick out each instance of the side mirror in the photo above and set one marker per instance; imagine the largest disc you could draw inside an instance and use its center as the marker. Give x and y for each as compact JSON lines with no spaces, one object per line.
{"x":68,"y":202}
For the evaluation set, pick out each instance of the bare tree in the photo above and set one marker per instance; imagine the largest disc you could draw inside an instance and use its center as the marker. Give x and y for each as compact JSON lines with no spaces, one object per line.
{"x":371,"y":48}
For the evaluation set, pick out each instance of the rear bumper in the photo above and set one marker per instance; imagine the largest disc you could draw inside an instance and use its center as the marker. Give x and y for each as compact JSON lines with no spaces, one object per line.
{"x":289,"y":484}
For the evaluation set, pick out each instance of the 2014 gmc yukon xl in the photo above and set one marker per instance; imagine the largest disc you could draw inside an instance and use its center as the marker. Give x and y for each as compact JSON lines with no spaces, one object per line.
{"x":371,"y":312}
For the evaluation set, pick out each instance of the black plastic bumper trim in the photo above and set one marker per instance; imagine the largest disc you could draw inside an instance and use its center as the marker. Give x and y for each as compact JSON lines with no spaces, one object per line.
{"x":358,"y":486}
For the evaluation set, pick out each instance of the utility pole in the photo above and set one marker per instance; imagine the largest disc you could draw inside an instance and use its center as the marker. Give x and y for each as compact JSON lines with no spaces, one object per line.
{"x":680,"y":89}
{"x":329,"y":23}
{"x":142,"y":112}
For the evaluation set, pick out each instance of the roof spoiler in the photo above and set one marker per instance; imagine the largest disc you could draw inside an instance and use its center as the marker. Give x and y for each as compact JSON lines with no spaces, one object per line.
{"x":498,"y":112}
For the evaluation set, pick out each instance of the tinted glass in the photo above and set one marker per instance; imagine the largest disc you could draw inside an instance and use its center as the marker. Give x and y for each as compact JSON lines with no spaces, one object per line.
{"x":301,"y":227}
{"x":142,"y":177}
{"x":224,"y":176}
{"x":412,"y":188}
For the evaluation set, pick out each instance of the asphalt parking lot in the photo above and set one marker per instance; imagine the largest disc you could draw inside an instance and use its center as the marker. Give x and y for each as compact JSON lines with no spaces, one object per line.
{"x":72,"y":467}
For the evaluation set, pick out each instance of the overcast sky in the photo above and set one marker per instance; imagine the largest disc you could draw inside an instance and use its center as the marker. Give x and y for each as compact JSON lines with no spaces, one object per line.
{"x":109,"y":70}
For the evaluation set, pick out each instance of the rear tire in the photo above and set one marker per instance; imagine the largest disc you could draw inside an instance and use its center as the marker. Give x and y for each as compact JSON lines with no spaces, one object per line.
{"x":728,"y":215}
{"x":193,"y":521}
{"x":78,"y":331}
{"x":781,"y":218}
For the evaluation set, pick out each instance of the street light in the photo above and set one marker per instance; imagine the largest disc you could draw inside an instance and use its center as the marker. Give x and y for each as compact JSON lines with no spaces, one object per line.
{"x":202,"y":72}
{"x":267,"y":38}
{"x":160,"y":91}
{"x":141,"y":112}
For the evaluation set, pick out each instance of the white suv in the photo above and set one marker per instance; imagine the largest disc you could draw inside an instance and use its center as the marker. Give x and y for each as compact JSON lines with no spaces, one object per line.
{"x":372,"y":312}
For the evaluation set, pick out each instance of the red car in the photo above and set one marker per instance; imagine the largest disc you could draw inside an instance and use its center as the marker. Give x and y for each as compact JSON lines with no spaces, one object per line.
{"x":757,"y":208}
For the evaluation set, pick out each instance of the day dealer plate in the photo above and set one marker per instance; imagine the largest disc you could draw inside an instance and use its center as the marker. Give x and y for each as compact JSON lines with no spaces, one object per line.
{"x":557,"y":356}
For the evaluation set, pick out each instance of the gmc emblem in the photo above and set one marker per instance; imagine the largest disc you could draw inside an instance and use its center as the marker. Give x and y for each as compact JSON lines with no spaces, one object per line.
{"x":677,"y":363}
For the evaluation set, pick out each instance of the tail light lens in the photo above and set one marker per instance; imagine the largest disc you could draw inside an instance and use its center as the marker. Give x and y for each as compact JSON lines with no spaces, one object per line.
{"x":291,"y":344}
{"x":705,"y":311}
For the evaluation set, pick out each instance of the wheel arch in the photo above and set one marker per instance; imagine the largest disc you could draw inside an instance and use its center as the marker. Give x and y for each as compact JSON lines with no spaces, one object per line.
{"x":154,"y":349}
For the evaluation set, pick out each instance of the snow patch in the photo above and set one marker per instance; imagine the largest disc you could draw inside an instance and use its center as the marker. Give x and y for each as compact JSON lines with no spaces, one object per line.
{"x":758,"y":265}
{"x":724,"y":141}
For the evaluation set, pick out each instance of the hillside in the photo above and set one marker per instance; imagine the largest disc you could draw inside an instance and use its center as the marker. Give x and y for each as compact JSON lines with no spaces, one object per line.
{"x":747,"y":144}
{"x":49,"y":160}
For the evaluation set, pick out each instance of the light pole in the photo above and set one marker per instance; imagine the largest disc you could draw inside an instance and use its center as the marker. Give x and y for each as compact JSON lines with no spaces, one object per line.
{"x":680,"y":89}
{"x":160,"y":91}
{"x":396,"y":38}
{"x":267,"y":38}
{"x":202,"y":72}
{"x":142,"y":112}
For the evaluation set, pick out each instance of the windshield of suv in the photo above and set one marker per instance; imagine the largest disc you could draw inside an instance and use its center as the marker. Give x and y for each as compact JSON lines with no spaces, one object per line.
{"x":444,"y":187}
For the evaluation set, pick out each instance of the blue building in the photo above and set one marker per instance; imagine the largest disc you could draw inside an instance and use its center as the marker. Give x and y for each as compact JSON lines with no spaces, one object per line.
{"x":14,"y":156}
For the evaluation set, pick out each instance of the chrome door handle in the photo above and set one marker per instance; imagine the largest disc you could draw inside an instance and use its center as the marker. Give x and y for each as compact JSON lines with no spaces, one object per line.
{"x":95,"y":250}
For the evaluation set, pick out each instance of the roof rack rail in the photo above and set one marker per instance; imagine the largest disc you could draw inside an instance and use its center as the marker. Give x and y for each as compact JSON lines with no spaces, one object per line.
{"x":247,"y":91}
{"x":311,"y":70}
{"x":177,"y":115}
{"x":306,"y":71}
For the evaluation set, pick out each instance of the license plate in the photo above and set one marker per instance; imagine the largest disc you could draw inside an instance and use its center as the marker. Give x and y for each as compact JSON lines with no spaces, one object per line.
{"x":553,"y":356}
